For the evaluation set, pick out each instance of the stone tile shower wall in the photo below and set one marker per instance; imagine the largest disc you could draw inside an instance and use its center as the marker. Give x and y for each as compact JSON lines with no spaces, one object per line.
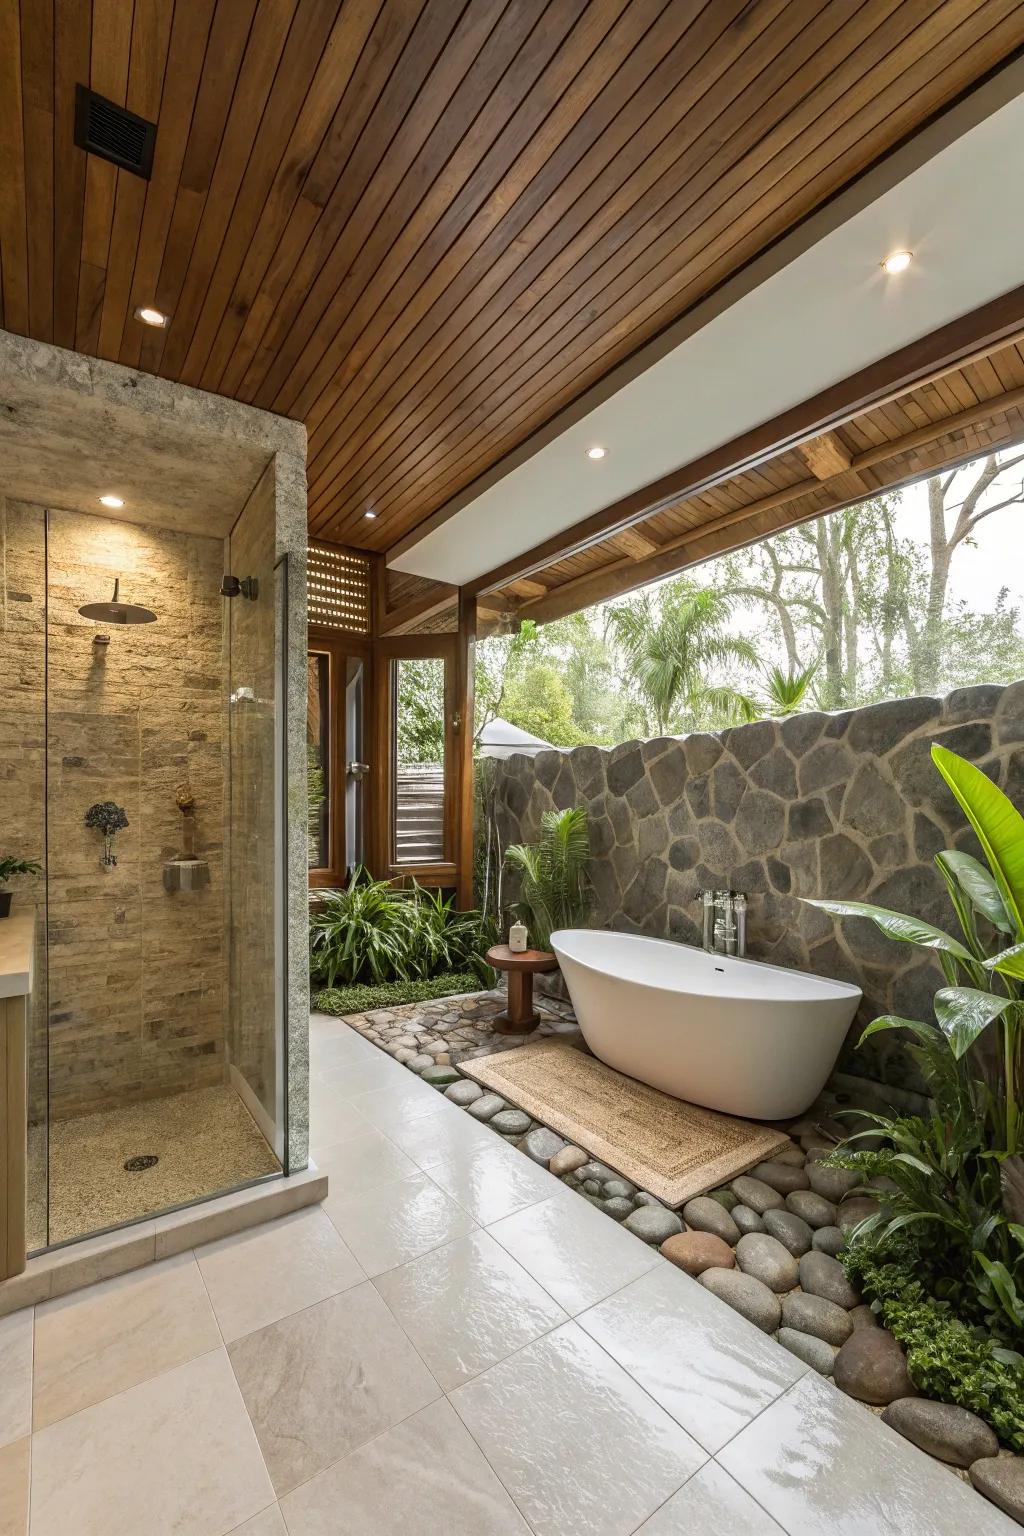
{"x":137,"y":977}
{"x":840,"y":805}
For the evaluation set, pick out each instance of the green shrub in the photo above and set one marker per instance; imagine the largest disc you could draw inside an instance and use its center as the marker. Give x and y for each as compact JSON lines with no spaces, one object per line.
{"x":391,"y":994}
{"x":946,"y":1359}
{"x":371,"y":932}
{"x":553,"y":872}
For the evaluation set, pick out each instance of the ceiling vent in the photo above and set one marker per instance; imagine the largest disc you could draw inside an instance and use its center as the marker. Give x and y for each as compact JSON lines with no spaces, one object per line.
{"x":112,"y":132}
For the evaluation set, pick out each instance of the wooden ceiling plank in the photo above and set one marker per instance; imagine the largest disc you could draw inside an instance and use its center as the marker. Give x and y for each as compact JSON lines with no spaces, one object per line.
{"x":494,"y":180}
{"x":423,"y":48}
{"x":13,"y":213}
{"x":151,"y":34}
{"x":632,"y":167}
{"x":187,"y":51}
{"x":316,"y":224}
{"x":352,"y":28}
{"x":108,"y":74}
{"x":37,"y":72}
{"x":72,"y":45}
{"x":888,"y":112}
{"x":716,"y":186}
{"x":632,"y":542}
{"x":232,"y":35}
{"x":653,"y":75}
{"x":300,"y":60}
{"x":463,"y":76}
{"x":273,"y":29}
{"x":527,"y":587}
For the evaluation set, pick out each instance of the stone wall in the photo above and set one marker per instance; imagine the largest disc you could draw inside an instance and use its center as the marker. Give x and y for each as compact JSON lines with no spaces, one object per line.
{"x":838,"y":805}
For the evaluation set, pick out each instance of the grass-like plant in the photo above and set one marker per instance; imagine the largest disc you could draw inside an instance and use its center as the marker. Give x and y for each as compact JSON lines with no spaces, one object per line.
{"x":373,"y":932}
{"x":554,"y":887}
{"x":362,"y":998}
{"x":955,"y":1177}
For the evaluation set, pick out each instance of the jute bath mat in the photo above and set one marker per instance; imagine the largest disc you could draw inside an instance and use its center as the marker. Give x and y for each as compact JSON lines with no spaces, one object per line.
{"x":671,"y":1149}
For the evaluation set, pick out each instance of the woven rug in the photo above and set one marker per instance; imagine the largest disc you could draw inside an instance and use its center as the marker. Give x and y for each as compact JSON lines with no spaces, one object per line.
{"x":671,"y":1149}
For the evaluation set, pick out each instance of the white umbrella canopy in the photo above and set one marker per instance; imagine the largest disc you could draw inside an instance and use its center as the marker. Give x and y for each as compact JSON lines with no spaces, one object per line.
{"x":501,"y":739}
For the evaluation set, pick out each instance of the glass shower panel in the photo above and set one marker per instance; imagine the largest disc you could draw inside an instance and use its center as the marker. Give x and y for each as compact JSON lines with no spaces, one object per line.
{"x":256,"y":629}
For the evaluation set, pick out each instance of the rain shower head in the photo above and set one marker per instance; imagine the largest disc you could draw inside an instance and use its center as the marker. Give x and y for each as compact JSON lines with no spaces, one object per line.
{"x":116,"y":612}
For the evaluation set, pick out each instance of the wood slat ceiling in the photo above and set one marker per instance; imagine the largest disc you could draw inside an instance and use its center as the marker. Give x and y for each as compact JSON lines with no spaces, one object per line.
{"x":425,"y":226}
{"x":787,"y":489}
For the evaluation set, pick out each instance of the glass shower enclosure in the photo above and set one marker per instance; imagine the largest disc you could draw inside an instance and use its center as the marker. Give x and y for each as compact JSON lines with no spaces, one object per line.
{"x":157,"y":1046}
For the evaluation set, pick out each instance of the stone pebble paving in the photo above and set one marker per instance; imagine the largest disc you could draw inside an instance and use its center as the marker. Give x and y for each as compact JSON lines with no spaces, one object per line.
{"x":767,"y":1243}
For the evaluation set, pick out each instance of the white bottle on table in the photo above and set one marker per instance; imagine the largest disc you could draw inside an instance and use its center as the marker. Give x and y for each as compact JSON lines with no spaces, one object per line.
{"x":517,"y":938}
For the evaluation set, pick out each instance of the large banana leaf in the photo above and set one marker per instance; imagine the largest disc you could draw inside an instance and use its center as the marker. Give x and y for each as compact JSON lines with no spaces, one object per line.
{"x":978,"y":886}
{"x":998,"y":824}
{"x":964,"y":1014}
{"x":895,"y":925}
{"x":893,"y":1021}
{"x":1009,"y":962}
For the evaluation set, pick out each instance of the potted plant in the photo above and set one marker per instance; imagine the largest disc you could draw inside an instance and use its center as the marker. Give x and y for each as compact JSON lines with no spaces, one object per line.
{"x":9,"y":867}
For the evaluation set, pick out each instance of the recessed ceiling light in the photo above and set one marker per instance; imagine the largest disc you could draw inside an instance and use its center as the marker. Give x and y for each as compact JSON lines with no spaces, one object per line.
{"x":897,"y":261}
{"x":595,"y":453}
{"x":370,"y":515}
{"x":111,"y":501}
{"x":150,"y":316}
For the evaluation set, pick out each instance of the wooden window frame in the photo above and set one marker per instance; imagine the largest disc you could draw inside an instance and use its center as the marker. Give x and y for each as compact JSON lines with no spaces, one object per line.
{"x":444,"y":871}
{"x":338,"y":646}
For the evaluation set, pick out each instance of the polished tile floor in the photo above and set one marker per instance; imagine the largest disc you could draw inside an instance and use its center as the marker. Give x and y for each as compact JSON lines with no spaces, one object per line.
{"x":453,"y":1345}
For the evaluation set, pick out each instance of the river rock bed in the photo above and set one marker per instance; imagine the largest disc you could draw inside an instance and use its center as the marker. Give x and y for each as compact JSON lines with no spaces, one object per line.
{"x":767,"y":1244}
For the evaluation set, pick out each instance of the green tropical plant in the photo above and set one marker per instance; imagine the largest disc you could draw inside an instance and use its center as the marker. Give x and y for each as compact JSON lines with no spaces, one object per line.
{"x":11,"y":866}
{"x":954,"y":1177}
{"x":786,"y":693}
{"x":373,"y":932}
{"x":362,"y":998}
{"x":554,"y":888}
{"x":671,"y":642}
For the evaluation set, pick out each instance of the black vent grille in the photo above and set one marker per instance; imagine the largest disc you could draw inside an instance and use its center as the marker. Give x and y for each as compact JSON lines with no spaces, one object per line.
{"x":112,"y":132}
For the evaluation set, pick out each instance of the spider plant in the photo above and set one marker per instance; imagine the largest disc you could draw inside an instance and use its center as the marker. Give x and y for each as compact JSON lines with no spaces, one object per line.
{"x":554,"y":889}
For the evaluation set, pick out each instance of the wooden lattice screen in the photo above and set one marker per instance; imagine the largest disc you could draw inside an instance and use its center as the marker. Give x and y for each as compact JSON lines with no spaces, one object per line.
{"x":338,"y":586}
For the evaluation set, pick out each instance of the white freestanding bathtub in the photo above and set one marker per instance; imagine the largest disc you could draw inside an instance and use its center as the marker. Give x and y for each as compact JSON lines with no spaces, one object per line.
{"x":735,"y":1035}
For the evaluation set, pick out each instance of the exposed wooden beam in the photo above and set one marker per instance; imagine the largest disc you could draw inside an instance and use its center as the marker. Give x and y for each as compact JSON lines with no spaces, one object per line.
{"x":619,"y":576}
{"x":964,"y":340}
{"x":526,"y":587}
{"x":633,"y":543}
{"x":825,"y":456}
{"x":433,"y":600}
{"x":465,"y":704}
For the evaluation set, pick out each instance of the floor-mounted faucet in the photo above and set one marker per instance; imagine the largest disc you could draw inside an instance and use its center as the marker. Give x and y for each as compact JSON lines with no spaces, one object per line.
{"x":724,"y":929}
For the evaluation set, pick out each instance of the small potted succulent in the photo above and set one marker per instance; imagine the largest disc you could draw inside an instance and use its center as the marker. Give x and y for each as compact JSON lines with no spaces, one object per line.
{"x":9,"y":867}
{"x":107,"y":818}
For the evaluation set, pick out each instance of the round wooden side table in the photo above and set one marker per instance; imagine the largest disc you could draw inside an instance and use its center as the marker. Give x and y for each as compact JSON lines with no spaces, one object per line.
{"x":520,"y":1017}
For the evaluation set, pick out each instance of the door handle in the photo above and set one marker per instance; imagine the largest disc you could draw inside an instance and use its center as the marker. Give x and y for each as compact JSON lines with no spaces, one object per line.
{"x":358,"y":770}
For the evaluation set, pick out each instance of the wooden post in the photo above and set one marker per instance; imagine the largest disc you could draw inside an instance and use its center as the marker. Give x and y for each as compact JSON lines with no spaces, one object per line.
{"x":465,"y":659}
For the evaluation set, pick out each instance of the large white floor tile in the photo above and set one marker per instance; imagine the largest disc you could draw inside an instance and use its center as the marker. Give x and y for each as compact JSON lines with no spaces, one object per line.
{"x":396,"y":1222}
{"x":15,"y":1375}
{"x":389,"y":1109}
{"x":268,"y":1272}
{"x":323,"y":1381}
{"x":711,"y":1502}
{"x":174,"y":1456}
{"x":577,"y":1253}
{"x":468,"y":1305}
{"x":425,"y":1477}
{"x":360,"y":1074}
{"x":698,"y":1358}
{"x":15,"y":1463}
{"x":580,"y":1447}
{"x":332,"y":1116}
{"x":494,"y":1181}
{"x":361,"y":1162}
{"x":269,"y":1523}
{"x":99,"y":1341}
{"x":818,"y":1461}
{"x":433,"y":1139}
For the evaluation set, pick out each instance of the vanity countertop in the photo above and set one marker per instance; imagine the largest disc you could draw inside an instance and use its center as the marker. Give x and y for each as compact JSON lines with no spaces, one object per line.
{"x":17,"y":944}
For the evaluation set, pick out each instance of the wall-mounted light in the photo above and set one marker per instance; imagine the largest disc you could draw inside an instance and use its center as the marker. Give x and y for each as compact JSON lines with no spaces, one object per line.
{"x":897,"y":261}
{"x":595,"y":453}
{"x":111,"y":501}
{"x":150,"y":316}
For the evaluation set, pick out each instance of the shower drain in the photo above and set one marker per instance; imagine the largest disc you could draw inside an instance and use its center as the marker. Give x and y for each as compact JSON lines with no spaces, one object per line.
{"x":138,"y":1164}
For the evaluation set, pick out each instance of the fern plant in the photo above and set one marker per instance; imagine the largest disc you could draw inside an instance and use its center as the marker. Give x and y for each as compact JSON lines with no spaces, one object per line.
{"x":554,"y":884}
